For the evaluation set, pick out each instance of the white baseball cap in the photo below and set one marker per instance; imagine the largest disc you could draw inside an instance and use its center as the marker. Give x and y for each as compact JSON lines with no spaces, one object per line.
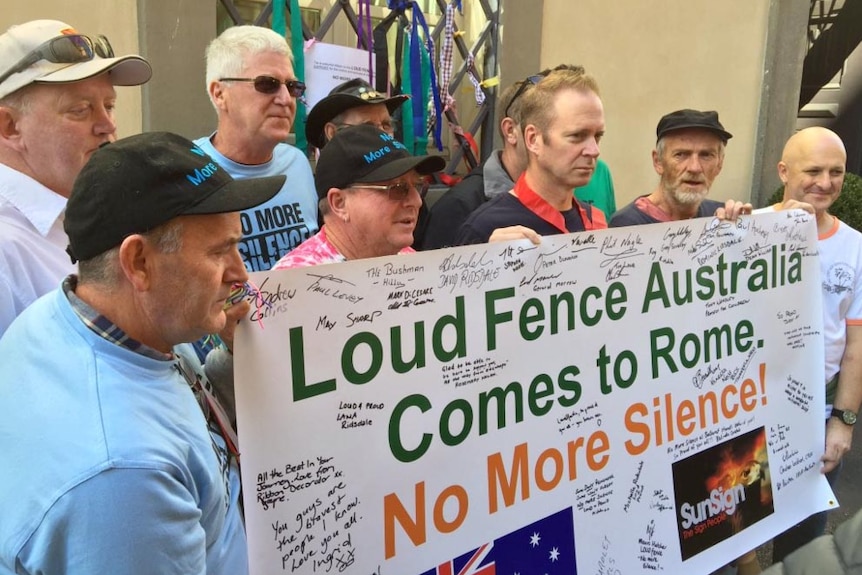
{"x":78,"y":58}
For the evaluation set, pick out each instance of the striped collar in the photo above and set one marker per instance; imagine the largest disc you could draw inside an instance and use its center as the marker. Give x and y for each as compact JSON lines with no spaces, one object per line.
{"x":103,"y":326}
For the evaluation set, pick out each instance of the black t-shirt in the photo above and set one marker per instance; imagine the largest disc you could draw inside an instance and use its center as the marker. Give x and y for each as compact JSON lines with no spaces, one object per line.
{"x":507,"y":210}
{"x":452,"y":210}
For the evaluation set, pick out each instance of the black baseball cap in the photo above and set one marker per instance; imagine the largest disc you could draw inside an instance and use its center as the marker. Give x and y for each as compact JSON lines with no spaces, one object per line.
{"x":365,"y":155}
{"x":683,"y":119}
{"x":350,"y":94}
{"x":136,"y":184}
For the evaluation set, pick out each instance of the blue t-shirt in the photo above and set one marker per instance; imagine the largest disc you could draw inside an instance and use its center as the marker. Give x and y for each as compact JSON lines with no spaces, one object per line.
{"x":272,"y":229}
{"x":108,"y":465}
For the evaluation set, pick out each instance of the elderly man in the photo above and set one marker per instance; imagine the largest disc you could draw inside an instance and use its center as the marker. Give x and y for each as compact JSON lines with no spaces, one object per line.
{"x":351,"y":103}
{"x":563,"y":103}
{"x":688,"y":156}
{"x":57,"y":103}
{"x":114,"y":467}
{"x":370,"y":190}
{"x":812,"y":169}
{"x":251,"y":83}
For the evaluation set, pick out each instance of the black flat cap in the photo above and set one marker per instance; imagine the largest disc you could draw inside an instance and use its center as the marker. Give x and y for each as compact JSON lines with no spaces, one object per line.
{"x":687,"y":119}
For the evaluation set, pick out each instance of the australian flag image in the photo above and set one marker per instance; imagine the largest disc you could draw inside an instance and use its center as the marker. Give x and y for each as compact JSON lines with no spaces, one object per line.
{"x":546,"y":547}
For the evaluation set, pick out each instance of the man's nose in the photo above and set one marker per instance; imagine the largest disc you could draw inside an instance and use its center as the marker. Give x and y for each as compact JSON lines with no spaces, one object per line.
{"x":105,"y":125}
{"x":592,"y":148}
{"x":694,"y":165}
{"x":283,"y":96}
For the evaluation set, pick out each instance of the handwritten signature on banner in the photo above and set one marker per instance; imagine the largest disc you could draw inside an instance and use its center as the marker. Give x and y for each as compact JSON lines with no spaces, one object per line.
{"x":447,"y":351}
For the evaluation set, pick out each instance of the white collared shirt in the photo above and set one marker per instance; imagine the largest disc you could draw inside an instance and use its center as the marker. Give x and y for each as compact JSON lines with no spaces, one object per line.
{"x":33,"y":258}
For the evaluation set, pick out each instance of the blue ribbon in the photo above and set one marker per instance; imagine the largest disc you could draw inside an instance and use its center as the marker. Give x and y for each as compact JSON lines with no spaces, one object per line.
{"x":398,"y":5}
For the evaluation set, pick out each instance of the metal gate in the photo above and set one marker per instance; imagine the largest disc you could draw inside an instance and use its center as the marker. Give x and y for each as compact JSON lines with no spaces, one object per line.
{"x":487,"y":41}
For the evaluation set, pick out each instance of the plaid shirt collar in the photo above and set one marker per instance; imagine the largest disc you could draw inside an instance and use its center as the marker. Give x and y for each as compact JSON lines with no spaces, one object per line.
{"x":103,"y":326}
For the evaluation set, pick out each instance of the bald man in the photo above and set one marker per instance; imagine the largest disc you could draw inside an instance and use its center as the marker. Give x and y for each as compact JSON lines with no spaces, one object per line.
{"x":812,"y":170}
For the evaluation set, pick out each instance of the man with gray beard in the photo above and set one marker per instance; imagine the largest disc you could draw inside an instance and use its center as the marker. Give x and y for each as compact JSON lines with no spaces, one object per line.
{"x":688,"y":155}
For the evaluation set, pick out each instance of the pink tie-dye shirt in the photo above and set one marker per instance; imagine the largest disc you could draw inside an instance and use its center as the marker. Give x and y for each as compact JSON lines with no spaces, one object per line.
{"x":314,"y":251}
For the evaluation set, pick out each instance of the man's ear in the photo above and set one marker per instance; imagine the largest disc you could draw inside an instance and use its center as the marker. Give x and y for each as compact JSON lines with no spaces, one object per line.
{"x":136,"y":261}
{"x":532,"y":139}
{"x":508,"y":128}
{"x":337,"y":200}
{"x":216,"y":92}
{"x":782,"y":172}
{"x":656,"y":163}
{"x":329,"y":130}
{"x":10,"y":134}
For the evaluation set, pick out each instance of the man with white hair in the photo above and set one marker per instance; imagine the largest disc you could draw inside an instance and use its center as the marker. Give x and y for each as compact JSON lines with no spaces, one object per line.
{"x":251,"y":83}
{"x":57,"y":102}
{"x":688,"y":156}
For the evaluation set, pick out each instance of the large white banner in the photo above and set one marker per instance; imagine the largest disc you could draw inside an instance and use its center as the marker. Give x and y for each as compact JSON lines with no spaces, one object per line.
{"x":622,"y":401}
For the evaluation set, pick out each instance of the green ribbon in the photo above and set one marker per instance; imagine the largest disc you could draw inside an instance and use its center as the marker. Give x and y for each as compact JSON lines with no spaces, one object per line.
{"x":421,"y":146}
{"x":297,"y":44}
{"x":406,"y":88}
{"x":278,"y":22}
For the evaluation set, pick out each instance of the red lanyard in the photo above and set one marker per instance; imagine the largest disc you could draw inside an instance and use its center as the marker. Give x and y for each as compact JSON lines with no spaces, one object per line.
{"x":540,"y":206}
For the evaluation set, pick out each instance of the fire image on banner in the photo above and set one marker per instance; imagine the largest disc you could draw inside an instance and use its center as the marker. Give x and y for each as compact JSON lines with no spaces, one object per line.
{"x":722,"y":491}
{"x":545,"y":547}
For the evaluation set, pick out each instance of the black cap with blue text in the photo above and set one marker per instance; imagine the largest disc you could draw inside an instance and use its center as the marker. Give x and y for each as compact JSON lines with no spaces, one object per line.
{"x":691,"y":119}
{"x":136,"y":184}
{"x":366,"y":155}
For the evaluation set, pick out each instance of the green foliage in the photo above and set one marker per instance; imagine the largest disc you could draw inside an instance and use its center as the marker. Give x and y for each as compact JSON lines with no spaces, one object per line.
{"x":848,"y":206}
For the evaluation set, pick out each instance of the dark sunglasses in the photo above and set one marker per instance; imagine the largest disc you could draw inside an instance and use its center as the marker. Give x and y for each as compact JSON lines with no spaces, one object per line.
{"x":385,"y":126}
{"x":67,"y":49}
{"x":270,"y":85}
{"x":398,"y":191}
{"x":530,"y":81}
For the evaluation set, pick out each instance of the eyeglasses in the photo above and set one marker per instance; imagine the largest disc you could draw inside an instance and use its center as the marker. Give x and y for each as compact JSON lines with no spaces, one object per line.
{"x":270,"y":85}
{"x":398,"y":191}
{"x":385,"y":126}
{"x":67,"y":49}
{"x":530,"y":81}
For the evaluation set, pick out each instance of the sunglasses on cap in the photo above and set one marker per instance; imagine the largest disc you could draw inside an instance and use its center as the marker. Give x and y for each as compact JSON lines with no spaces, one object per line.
{"x":66,"y":49}
{"x":270,"y":85}
{"x":530,"y":81}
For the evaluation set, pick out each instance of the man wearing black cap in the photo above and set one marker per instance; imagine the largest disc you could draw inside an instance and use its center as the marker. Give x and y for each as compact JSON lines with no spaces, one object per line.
{"x":370,"y":190}
{"x":688,"y":156}
{"x":353,"y":103}
{"x":57,"y":101}
{"x":115,"y":468}
{"x":349,"y":104}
